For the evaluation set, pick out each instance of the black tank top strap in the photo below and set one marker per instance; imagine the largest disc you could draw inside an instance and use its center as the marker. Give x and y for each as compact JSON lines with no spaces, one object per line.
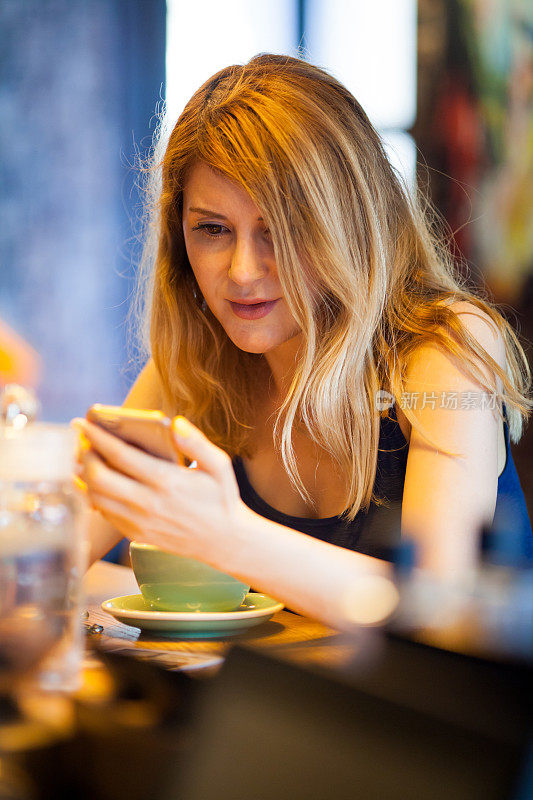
{"x":393,"y":449}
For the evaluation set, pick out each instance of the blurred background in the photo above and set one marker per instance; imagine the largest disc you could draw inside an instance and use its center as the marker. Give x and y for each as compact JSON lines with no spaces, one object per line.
{"x":449,"y":84}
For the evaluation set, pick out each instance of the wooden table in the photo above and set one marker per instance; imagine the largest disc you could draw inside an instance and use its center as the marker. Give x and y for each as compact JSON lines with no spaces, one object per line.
{"x":287,"y":635}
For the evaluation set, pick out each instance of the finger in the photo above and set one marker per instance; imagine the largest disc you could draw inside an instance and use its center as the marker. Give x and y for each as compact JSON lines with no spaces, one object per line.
{"x":103,"y":480}
{"x":197,"y":447}
{"x":210,"y":458}
{"x":135,"y":525}
{"x":79,"y":484}
{"x":124,"y":457}
{"x":120,"y":515}
{"x":82,"y":443}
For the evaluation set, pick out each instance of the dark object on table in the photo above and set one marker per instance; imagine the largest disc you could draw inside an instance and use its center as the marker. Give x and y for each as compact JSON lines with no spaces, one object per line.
{"x":425,"y":724}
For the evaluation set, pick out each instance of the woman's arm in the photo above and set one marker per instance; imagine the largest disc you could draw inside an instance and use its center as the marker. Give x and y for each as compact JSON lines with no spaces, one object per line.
{"x":145,"y":393}
{"x":446,"y":499}
{"x":308,"y":575}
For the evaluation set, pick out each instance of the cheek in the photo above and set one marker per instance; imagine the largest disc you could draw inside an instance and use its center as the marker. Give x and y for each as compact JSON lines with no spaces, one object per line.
{"x":195,"y":252}
{"x":290,"y":325}
{"x":204,"y":277}
{"x":209,"y":268}
{"x":196,"y":261}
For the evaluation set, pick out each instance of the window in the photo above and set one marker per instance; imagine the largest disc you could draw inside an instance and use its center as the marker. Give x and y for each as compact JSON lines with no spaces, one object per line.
{"x":370,"y":47}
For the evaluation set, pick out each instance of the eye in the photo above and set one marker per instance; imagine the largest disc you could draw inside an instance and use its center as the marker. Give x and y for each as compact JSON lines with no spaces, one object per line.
{"x":211,"y":229}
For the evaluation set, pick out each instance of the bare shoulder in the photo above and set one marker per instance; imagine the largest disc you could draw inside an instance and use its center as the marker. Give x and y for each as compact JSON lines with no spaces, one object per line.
{"x":147,"y":391}
{"x":475,"y":322}
{"x":432,"y":371}
{"x":482,"y":328}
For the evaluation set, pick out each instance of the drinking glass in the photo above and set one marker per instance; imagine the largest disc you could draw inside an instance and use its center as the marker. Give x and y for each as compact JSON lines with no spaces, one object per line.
{"x":42,"y":559}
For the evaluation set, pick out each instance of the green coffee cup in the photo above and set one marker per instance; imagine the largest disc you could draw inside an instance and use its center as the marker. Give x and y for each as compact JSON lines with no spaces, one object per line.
{"x":169,"y":582}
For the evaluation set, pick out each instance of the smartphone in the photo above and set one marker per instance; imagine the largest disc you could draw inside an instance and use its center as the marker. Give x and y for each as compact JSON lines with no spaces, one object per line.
{"x":151,"y":431}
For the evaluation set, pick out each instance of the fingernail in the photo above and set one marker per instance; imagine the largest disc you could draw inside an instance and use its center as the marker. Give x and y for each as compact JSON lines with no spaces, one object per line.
{"x":182,"y":427}
{"x":77,"y":423}
{"x":80,"y":485}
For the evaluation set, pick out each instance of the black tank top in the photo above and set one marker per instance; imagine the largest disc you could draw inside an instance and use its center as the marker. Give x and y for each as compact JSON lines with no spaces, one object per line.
{"x":376,"y":532}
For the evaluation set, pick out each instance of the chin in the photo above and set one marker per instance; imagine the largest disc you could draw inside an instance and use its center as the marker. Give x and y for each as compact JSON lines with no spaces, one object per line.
{"x":262,"y":347}
{"x":254,"y":347}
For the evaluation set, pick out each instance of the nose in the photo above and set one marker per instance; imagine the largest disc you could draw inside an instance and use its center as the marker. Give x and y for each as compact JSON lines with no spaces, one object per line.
{"x":247,"y":264}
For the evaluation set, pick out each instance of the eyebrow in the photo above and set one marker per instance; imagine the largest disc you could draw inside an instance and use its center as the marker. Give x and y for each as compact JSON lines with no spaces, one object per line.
{"x":213,"y":213}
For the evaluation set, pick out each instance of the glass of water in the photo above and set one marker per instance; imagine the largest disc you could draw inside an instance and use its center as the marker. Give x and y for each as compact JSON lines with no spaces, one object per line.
{"x":42,"y":558}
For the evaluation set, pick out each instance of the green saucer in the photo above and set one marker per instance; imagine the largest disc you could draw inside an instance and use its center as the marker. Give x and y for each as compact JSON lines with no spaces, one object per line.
{"x":133,"y":610}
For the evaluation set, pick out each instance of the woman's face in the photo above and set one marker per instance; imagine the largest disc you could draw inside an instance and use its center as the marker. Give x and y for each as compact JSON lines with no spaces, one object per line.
{"x":231,"y":254}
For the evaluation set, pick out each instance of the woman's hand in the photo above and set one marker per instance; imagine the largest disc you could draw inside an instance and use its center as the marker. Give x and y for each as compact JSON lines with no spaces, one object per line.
{"x":199,"y":513}
{"x":156,"y":501}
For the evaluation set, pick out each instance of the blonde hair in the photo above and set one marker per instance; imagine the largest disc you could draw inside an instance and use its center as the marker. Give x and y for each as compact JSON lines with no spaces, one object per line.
{"x":344,"y":231}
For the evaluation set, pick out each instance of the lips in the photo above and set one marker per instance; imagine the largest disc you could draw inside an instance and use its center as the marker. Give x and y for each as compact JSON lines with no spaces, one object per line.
{"x":252,"y":310}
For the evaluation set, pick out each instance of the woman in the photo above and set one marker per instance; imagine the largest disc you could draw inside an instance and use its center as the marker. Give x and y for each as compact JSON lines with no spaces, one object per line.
{"x":294,"y":293}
